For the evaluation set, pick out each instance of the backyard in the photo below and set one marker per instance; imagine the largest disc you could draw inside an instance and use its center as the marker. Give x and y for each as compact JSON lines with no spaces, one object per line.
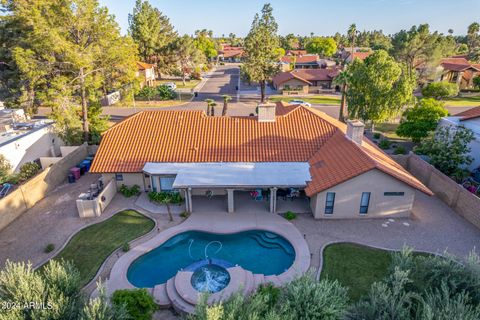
{"x":92,"y":245}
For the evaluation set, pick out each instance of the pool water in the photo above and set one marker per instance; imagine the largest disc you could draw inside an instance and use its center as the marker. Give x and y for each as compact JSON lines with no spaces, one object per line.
{"x":258,"y":251}
{"x":210,"y":278}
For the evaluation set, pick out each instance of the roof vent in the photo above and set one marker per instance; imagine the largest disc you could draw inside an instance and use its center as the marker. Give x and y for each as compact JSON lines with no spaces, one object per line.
{"x":266,"y":112}
{"x":355,"y":129}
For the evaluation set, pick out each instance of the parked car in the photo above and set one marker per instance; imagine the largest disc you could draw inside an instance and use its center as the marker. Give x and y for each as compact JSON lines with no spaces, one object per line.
{"x":303,"y":103}
{"x":170,"y":85}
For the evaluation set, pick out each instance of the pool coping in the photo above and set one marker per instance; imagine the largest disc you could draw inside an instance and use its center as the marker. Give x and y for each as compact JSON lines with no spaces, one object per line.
{"x":276,"y":224}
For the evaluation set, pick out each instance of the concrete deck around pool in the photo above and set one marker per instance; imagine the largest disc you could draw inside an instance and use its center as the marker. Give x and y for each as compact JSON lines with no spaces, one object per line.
{"x":222,"y":223}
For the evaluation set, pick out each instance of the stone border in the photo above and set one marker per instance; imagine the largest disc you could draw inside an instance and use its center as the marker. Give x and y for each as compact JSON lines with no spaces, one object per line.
{"x":118,"y":274}
{"x":320,"y":267}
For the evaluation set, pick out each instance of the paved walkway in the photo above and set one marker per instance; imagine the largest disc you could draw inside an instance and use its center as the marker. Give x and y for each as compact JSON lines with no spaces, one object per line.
{"x":434,"y":227}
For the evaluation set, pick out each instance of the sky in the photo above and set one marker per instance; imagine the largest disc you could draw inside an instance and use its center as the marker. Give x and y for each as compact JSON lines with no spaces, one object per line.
{"x":322,"y":17}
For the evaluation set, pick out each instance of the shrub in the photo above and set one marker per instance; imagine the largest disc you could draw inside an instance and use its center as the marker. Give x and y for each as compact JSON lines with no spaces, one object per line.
{"x":27,"y":171}
{"x":138,"y":303}
{"x":146,"y":93}
{"x":165,"y":93}
{"x":49,"y":248}
{"x":184,"y":214}
{"x":289,"y":215}
{"x":377,"y":135}
{"x":400,"y":150}
{"x":440,"y":90}
{"x":5,"y":168}
{"x":384,"y":144}
{"x":129,"y":192}
{"x":476,"y":82}
{"x":160,"y":197}
{"x":126,"y":247}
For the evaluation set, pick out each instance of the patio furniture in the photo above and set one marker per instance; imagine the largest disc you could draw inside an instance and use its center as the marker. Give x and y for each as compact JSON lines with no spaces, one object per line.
{"x":5,"y":189}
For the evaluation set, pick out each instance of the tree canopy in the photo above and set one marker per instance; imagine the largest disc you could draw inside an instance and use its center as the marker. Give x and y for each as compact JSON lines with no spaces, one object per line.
{"x":261,"y":46}
{"x":324,"y":47}
{"x":440,"y":90}
{"x":419,"y":121}
{"x":378,"y":88}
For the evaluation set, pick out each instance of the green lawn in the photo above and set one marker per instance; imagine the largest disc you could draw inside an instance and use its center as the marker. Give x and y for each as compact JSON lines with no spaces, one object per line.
{"x":463,"y":102}
{"x":318,"y":99}
{"x":388,"y":130}
{"x":188,"y":84}
{"x":355,"y":267}
{"x":92,"y":245}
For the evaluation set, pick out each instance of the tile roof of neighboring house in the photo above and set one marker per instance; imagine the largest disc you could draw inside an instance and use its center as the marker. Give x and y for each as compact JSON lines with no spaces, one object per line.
{"x":144,"y":65}
{"x":233,"y":53}
{"x":458,"y":64}
{"x":305,"y":75}
{"x":299,"y":134}
{"x":296,"y":52}
{"x":469,"y":114}
{"x":361,"y":55}
{"x":309,"y":58}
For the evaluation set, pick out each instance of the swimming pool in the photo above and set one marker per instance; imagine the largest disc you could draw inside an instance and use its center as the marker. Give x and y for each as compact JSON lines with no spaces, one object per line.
{"x":258,"y":251}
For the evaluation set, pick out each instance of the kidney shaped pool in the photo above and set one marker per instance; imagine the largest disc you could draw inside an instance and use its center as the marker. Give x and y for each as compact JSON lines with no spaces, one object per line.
{"x":256,"y":250}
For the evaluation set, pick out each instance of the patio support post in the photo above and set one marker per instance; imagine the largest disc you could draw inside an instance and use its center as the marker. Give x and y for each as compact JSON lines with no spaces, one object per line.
{"x":188,"y":200}
{"x":273,"y":200}
{"x":230,"y":197}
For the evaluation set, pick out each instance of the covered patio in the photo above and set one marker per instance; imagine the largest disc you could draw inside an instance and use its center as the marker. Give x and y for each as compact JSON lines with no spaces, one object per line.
{"x":234,"y":186}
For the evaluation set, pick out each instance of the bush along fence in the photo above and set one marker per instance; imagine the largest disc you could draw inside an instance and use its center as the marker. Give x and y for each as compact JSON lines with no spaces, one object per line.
{"x":452,"y":194}
{"x":28,"y":194}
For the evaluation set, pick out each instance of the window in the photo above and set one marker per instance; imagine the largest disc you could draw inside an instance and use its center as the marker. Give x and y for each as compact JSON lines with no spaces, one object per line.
{"x":330,"y":201}
{"x":119,"y":177}
{"x":154,"y":183}
{"x":394,"y":194}
{"x":364,"y":202}
{"x":166,"y":183}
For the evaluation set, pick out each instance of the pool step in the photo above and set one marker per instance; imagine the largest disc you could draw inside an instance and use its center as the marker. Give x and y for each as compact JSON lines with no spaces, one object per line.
{"x":178,"y":303}
{"x":160,"y":295}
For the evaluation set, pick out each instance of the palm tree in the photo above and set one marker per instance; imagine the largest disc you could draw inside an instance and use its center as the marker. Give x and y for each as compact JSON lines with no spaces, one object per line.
{"x":210,"y":107}
{"x":342,"y":80}
{"x":226,"y":99}
{"x":166,"y":201}
{"x":352,"y":33}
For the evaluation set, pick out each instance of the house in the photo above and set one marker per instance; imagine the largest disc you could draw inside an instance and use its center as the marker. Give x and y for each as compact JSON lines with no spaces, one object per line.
{"x":296,"y":52}
{"x":309,"y":61}
{"x":229,"y":53}
{"x":146,"y":74}
{"x":304,"y":81}
{"x":285,"y":148}
{"x":469,"y":119}
{"x":457,"y":70}
{"x":23,"y":140}
{"x":361,"y":55}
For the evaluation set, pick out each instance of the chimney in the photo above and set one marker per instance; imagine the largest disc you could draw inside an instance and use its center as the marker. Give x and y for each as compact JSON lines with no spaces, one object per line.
{"x":266,"y":112}
{"x":355,"y":129}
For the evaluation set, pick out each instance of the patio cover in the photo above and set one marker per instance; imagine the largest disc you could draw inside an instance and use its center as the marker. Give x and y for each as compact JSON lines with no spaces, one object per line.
{"x":234,"y":174}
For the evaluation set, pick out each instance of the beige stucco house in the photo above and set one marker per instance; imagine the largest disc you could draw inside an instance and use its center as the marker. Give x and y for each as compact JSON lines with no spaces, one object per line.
{"x":286,"y":149}
{"x":146,"y":74}
{"x":305,"y":81}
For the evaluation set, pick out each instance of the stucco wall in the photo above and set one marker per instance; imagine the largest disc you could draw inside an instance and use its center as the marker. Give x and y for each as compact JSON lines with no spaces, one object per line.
{"x":348,"y":195}
{"x":129,"y":179}
{"x":30,"y":147}
{"x":294,"y":84}
{"x":34,"y":190}
{"x":95,"y":207}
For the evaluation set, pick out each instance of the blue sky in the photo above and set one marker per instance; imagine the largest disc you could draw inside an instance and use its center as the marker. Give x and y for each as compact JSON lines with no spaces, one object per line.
{"x":322,"y":17}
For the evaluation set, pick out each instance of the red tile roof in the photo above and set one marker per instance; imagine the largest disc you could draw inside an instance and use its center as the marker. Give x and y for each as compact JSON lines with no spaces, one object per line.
{"x":469,"y":114}
{"x":296,"y":52}
{"x":144,"y":65}
{"x":233,"y":53}
{"x":309,"y":58}
{"x":299,"y":134}
{"x":361,"y":55}
{"x":458,"y":64}
{"x":306,"y":75}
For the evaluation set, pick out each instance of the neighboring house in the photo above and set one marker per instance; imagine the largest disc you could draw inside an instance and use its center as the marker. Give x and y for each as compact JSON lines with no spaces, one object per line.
{"x":231,"y":54}
{"x":146,"y":73}
{"x":296,"y":52}
{"x":23,"y":140}
{"x":345,"y":52}
{"x":343,"y":174}
{"x":457,"y":70}
{"x":303,"y":81}
{"x":309,"y":61}
{"x":469,"y":119}
{"x":361,"y":55}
